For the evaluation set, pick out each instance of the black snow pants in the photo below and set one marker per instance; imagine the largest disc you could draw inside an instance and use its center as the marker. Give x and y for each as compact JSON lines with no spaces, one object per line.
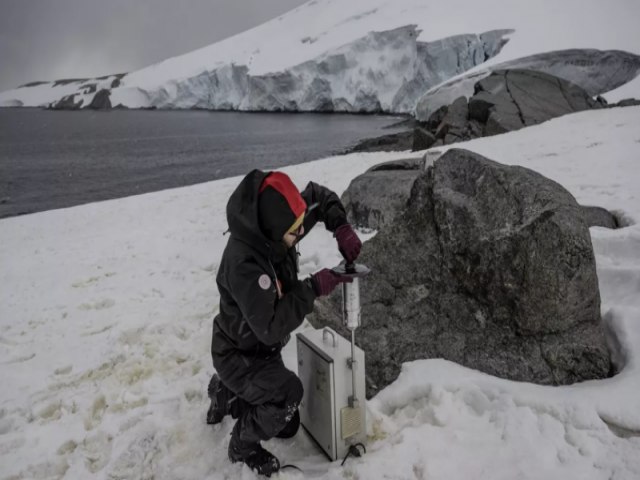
{"x":271,"y":395}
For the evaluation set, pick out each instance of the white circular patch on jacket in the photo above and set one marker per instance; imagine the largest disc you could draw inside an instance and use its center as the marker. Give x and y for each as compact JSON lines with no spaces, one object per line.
{"x":264,"y":281}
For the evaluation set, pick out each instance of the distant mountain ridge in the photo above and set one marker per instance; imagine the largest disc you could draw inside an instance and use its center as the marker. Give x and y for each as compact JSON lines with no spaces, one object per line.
{"x":371,"y":56}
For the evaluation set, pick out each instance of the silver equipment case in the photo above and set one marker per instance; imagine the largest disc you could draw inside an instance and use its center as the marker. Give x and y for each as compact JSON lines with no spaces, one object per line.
{"x":325,"y":364}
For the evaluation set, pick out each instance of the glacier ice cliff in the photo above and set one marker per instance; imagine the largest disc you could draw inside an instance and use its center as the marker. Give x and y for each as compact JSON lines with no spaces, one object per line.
{"x":381,"y":72}
{"x":384,"y":71}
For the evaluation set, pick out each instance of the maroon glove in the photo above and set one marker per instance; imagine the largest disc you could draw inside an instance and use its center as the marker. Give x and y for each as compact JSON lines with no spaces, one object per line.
{"x":348,"y":242}
{"x":325,"y":281}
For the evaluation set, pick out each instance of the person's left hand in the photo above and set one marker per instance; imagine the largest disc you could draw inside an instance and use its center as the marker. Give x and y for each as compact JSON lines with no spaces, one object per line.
{"x":348,"y":242}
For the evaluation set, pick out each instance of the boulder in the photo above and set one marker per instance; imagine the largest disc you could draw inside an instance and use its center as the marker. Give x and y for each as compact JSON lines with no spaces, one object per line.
{"x":392,"y":142}
{"x":455,"y":120}
{"x":375,"y":198}
{"x":627,"y":102}
{"x":487,"y":265}
{"x":436,"y":118}
{"x":422,"y":139}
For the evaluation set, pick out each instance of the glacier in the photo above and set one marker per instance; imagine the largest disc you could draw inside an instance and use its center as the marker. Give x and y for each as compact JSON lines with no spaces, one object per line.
{"x":386,"y":71}
{"x":391,"y":56}
{"x":381,"y":72}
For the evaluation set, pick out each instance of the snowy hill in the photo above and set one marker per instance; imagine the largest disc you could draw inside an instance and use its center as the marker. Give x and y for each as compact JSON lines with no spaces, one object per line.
{"x":105,"y":326}
{"x":364,"y":55}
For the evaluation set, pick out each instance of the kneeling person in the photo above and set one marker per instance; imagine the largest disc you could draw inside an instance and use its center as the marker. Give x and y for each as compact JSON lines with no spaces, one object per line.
{"x":261,"y":302}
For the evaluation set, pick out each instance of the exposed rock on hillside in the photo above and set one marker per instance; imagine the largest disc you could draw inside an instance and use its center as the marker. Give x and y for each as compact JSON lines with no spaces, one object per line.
{"x":504,"y":101}
{"x":511,"y":99}
{"x":101,"y":100}
{"x":489,"y":266}
{"x":391,"y":142}
{"x":595,"y":71}
{"x":68,"y":102}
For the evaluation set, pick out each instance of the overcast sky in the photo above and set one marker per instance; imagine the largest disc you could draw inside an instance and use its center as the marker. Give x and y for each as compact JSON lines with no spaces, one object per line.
{"x":54,"y":39}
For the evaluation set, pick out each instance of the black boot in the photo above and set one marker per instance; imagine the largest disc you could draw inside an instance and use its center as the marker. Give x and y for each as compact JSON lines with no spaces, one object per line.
{"x":290,"y":428}
{"x":257,"y":458}
{"x":220,"y":396}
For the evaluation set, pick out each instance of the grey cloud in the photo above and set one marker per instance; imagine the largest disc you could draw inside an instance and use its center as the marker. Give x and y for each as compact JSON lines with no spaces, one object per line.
{"x":52,"y":39}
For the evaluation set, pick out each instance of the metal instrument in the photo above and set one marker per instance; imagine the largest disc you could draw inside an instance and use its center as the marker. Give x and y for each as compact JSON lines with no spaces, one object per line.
{"x":332,"y":372}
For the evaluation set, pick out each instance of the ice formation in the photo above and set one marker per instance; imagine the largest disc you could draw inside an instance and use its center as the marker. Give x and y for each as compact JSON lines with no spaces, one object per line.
{"x":365,"y":56}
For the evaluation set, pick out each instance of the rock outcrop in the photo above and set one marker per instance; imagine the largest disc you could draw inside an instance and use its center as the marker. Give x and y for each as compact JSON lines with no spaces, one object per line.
{"x":504,"y":101}
{"x":595,"y":71}
{"x":101,"y":100}
{"x":489,"y":266}
{"x":67,"y":102}
{"x":512,"y":99}
{"x":392,"y":142}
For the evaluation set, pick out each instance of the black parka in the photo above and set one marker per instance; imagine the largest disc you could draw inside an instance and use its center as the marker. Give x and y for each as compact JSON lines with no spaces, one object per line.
{"x":253,"y":322}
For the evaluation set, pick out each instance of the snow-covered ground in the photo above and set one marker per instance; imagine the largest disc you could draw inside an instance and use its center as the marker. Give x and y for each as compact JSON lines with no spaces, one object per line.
{"x":343,"y":52}
{"x":105,"y":324}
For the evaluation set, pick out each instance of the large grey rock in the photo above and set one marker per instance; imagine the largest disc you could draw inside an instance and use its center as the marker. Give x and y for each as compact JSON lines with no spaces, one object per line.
{"x":436,"y":118}
{"x":596,"y":71}
{"x":422,"y":139}
{"x":374,"y":198}
{"x":508,"y":100}
{"x":488,"y":265}
{"x":391,"y":142}
{"x":455,"y":120}
{"x":627,"y":102}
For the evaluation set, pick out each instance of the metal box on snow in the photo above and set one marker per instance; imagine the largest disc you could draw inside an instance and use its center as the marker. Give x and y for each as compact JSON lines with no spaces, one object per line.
{"x":324,"y":367}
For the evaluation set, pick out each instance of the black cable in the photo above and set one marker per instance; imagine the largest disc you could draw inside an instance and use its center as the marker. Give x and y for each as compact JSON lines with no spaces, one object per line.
{"x":345,"y":458}
{"x":291,"y":466}
{"x":353,"y":450}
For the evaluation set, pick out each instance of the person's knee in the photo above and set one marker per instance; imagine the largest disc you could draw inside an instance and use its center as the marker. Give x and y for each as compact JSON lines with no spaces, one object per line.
{"x":294,"y":390}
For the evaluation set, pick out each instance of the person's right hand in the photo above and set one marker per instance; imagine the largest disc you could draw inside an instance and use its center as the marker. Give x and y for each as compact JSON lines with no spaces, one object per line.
{"x":325,"y":281}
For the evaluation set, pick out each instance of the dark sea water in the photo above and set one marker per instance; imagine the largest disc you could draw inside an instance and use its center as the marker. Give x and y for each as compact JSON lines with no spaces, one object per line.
{"x":55,"y":159}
